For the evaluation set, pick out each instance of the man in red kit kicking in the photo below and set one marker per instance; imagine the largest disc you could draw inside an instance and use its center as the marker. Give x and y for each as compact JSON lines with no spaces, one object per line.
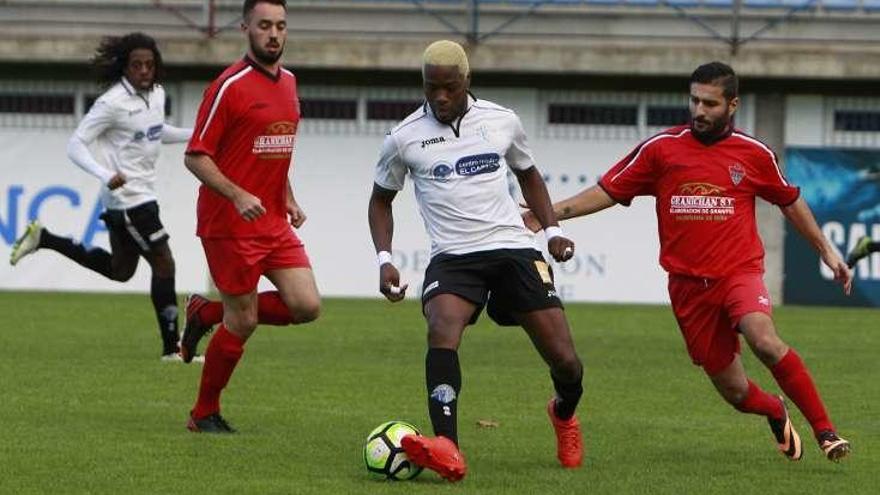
{"x":241,"y":151}
{"x":705,"y":177}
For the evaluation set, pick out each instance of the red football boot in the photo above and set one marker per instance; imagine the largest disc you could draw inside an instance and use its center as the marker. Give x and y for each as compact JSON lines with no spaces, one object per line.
{"x":438,"y":454}
{"x":569,"y":444}
{"x":194,"y":329}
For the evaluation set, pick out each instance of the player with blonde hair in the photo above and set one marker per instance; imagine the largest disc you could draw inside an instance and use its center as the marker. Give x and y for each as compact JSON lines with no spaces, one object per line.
{"x":458,"y":150}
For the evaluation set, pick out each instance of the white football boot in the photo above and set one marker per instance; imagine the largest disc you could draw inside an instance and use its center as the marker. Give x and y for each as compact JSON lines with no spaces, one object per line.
{"x":27,"y":243}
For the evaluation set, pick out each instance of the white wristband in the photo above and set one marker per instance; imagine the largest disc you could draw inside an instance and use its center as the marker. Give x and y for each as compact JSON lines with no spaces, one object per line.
{"x":552,"y":231}
{"x":383,"y":257}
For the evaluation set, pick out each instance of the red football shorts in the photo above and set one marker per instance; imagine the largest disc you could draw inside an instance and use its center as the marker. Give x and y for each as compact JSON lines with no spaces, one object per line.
{"x":708,"y":312}
{"x":236,"y":264}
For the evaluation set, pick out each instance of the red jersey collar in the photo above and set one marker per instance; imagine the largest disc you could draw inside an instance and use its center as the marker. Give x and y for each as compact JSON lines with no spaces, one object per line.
{"x":262,"y":70}
{"x":710,"y":140}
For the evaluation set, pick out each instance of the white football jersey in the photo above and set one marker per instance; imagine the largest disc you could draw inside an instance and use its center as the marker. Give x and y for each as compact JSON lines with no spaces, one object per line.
{"x":460,"y":176}
{"x":125,"y":129}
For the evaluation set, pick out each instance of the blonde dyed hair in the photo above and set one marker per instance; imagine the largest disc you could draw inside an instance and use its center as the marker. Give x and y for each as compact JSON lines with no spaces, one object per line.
{"x":445,"y":52}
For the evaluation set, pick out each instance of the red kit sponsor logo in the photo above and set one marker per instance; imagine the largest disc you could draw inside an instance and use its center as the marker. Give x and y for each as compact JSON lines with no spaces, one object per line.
{"x":701,"y":201}
{"x":278,"y":139}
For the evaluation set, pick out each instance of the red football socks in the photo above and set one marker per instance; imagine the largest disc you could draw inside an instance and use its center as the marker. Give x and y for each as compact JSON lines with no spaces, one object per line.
{"x":271,"y":310}
{"x":794,"y":379}
{"x":221,"y":356}
{"x":211,"y":313}
{"x":760,"y":402}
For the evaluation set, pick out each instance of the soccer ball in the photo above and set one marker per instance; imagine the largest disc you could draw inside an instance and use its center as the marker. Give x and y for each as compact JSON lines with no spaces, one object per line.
{"x":383,"y":454}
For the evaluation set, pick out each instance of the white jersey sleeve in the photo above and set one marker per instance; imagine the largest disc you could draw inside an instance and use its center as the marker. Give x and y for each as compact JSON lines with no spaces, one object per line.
{"x":390,"y":171}
{"x":519,"y":155}
{"x":100,"y":117}
{"x":171,"y":134}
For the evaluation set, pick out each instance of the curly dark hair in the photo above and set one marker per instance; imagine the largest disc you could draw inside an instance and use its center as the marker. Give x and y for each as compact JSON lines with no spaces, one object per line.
{"x":112,"y":54}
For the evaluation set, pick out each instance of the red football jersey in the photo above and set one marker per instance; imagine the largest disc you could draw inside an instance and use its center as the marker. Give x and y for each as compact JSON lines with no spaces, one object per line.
{"x":247,"y":124}
{"x":705,"y":198}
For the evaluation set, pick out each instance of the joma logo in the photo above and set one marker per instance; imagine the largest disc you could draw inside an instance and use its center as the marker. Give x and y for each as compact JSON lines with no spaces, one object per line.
{"x":436,"y":140}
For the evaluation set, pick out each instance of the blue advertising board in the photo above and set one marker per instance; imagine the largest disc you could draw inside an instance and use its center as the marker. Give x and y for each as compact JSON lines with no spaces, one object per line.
{"x":842,"y":187}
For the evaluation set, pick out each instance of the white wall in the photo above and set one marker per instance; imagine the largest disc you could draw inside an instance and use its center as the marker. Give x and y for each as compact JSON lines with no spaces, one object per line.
{"x":617,"y":250}
{"x":35,"y":164}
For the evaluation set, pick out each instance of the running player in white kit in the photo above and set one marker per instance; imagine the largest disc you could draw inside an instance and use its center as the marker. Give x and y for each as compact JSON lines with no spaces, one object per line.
{"x":458,"y":150}
{"x":126,"y":124}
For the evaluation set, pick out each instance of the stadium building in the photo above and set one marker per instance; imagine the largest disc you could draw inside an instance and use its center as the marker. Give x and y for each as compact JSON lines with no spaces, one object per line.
{"x":590,"y":79}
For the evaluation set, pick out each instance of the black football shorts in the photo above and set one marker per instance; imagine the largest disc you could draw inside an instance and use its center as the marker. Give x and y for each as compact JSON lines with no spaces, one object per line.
{"x":139,"y":226}
{"x":507,"y":281}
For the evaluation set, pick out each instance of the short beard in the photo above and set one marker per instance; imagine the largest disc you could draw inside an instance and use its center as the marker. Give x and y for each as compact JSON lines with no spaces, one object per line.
{"x":714,"y":132}
{"x":264,"y":57}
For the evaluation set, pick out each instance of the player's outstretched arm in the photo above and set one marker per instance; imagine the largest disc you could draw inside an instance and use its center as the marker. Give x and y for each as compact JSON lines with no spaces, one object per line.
{"x":203,"y":167}
{"x":381,"y":219}
{"x":172,"y":134}
{"x":586,"y":202}
{"x":538,"y":199}
{"x":799,"y":214}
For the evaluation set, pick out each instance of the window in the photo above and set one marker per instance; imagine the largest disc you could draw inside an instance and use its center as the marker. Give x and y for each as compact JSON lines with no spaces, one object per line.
{"x":663,"y":116}
{"x":857,"y":121}
{"x":391,"y":109}
{"x":592,"y":114}
{"x":58,"y":104}
{"x":323,"y":108}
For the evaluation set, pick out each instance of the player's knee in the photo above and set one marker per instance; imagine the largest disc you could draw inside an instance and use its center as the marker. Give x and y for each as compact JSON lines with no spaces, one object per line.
{"x":308,"y":311}
{"x":735,"y":396}
{"x":568,"y":369}
{"x":163,"y":263}
{"x":440,"y":323}
{"x":733,"y":392}
{"x":122,"y":272}
{"x":165,"y":268}
{"x":241,"y":323}
{"x":768,"y":347}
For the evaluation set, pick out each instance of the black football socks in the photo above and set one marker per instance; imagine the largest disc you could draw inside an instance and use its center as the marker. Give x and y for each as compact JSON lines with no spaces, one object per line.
{"x":443,"y":376}
{"x":95,"y":259}
{"x":568,"y":394}
{"x":165,"y":303}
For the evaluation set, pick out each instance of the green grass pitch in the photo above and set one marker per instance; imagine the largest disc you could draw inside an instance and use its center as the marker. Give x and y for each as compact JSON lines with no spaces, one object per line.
{"x":87,"y":407}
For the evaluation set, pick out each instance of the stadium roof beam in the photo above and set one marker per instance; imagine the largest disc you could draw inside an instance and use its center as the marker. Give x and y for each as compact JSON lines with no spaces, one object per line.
{"x":208,"y":25}
{"x":808,"y":4}
{"x":734,"y":41}
{"x":608,"y":37}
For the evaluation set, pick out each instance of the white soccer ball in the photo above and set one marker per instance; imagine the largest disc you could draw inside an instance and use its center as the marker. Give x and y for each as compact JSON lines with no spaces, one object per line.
{"x":383,"y":454}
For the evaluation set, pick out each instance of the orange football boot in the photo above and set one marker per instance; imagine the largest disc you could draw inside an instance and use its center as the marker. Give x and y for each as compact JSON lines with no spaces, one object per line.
{"x":569,"y":444}
{"x":438,"y":454}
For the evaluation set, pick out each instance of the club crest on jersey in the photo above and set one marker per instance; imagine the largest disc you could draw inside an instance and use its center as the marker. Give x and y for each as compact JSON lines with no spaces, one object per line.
{"x":483,"y":132}
{"x":478,"y":164}
{"x":441,"y":171}
{"x":737,"y":173}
